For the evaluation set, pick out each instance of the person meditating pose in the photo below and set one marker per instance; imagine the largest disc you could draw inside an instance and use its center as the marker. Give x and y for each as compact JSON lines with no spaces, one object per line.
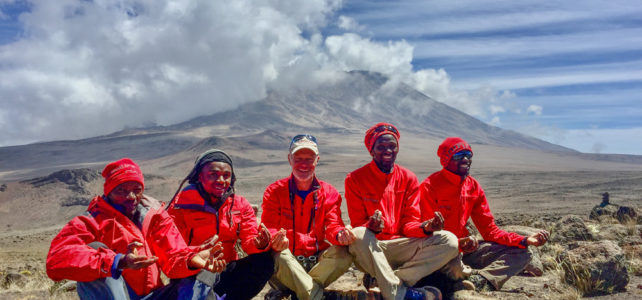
{"x":117,"y":249}
{"x":393,"y":245}
{"x":308,"y":210}
{"x":457,"y":196}
{"x":209,"y":206}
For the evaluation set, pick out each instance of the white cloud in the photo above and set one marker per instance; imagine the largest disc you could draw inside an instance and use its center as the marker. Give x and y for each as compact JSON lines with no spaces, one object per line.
{"x":496,"y":109}
{"x":349,"y":24}
{"x":103,"y":65}
{"x":534,"y":109}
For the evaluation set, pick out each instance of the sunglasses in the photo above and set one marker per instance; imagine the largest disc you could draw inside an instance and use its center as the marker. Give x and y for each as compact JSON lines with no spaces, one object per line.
{"x":461,"y":154}
{"x":381,"y":128}
{"x":299,"y":137}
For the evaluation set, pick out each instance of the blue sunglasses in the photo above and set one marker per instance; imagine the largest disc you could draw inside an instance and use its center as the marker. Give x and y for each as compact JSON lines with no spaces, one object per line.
{"x":461,"y":154}
{"x":299,"y":137}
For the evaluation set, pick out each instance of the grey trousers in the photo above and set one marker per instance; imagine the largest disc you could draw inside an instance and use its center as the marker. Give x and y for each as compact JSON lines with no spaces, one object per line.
{"x":495,"y":262}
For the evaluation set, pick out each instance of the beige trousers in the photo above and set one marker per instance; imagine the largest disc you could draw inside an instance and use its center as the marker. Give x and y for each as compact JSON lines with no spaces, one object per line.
{"x":333,"y":262}
{"x":410,"y":258}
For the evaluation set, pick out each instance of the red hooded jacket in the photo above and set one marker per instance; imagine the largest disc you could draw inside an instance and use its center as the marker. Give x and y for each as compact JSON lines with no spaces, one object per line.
{"x":70,"y":257}
{"x":445,"y":192}
{"x":197,"y":222}
{"x":311,"y":235}
{"x":394,"y":194}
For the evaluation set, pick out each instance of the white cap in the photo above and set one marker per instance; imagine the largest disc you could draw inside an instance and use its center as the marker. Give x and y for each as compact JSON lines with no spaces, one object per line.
{"x":304,"y":143}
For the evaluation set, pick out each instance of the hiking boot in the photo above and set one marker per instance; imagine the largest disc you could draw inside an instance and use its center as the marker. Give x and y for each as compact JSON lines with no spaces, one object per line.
{"x":464,"y":285}
{"x":277,"y":295}
{"x":481,"y":283}
{"x":369,"y":281}
{"x":424,"y":293}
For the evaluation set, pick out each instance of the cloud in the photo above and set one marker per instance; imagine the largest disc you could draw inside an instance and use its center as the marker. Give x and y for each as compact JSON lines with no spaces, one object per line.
{"x":349,"y":24}
{"x":85,"y":68}
{"x":534,"y":109}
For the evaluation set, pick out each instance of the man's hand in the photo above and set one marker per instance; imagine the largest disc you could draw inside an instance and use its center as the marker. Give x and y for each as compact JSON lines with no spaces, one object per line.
{"x":468,"y":244}
{"x":262,"y":239}
{"x":375,"y":223}
{"x":210,"y":257}
{"x":434,"y":224}
{"x":280,"y":240}
{"x":134,"y":261}
{"x":538,"y":239}
{"x":346,"y":236}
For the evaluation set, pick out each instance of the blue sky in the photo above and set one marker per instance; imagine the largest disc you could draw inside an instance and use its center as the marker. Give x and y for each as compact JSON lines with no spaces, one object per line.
{"x":578,"y":64}
{"x":569,"y":72}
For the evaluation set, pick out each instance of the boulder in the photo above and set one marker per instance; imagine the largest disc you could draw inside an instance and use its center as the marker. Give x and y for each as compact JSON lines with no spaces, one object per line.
{"x":626,"y":214}
{"x":623,"y":214}
{"x":599,"y":212}
{"x":571,"y":228}
{"x":535,"y":267}
{"x":595,"y":268}
{"x":616,"y":232}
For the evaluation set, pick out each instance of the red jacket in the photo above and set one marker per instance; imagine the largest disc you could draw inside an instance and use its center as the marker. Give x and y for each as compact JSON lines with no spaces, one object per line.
{"x":394,"y":194}
{"x":197,"y":220}
{"x":70,"y":258}
{"x":311,"y":235}
{"x":444,"y":191}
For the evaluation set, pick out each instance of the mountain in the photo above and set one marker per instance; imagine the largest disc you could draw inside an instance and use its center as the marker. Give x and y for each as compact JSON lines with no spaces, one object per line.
{"x":358,"y":101}
{"x":349,"y":105}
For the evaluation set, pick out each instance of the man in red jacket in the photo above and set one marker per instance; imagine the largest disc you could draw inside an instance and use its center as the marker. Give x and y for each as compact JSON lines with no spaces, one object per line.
{"x":308,"y":210}
{"x":393,"y":245}
{"x":118,"y":248}
{"x":456,"y":195}
{"x":209,"y":206}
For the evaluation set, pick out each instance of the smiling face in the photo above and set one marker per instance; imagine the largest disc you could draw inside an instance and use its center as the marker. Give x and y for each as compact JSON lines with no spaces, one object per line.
{"x":384,"y":152}
{"x":127,"y":195}
{"x":216,"y":178}
{"x":303,"y":163}
{"x":460,"y":166}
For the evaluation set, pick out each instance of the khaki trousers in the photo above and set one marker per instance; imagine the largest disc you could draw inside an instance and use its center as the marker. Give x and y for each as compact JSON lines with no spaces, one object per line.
{"x":495,"y":262}
{"x":410,"y":258}
{"x":333,"y":262}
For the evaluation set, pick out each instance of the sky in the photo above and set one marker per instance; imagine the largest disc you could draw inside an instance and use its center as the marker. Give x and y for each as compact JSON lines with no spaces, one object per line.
{"x":569,"y":72}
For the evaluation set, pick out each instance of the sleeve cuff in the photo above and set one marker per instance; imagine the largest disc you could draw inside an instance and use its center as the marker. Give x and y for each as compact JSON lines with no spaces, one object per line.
{"x":423,"y":227}
{"x":115,"y":272}
{"x":524,"y":242}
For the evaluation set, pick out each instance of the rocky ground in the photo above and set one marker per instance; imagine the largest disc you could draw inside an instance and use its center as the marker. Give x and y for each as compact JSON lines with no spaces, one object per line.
{"x":22,"y":258}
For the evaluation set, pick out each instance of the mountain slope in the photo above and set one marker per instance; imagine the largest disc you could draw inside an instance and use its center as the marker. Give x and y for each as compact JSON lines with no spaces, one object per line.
{"x":349,"y":105}
{"x":358,"y":101}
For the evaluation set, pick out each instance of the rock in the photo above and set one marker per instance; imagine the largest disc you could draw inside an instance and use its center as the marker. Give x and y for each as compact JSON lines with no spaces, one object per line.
{"x":623,"y":214}
{"x":535,"y":267}
{"x":595,"y":268}
{"x":626,"y":214}
{"x":571,"y":228}
{"x":522,"y":230}
{"x":13,"y":278}
{"x":598,"y":211}
{"x":616,"y":232}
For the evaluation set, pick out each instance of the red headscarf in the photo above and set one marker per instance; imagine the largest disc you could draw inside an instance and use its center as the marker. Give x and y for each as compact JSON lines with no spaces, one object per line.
{"x":450,"y":146}
{"x":121,"y":171}
{"x":378,"y":130}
